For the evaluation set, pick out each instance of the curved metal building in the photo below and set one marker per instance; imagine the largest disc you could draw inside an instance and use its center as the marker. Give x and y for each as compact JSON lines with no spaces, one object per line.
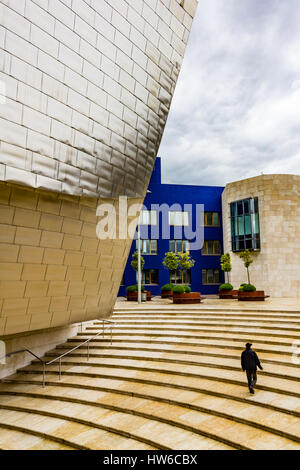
{"x":85,"y":91}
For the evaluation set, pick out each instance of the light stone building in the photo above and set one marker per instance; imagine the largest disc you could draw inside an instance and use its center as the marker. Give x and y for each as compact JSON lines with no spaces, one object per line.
{"x":276,"y":262}
{"x":86,"y":87}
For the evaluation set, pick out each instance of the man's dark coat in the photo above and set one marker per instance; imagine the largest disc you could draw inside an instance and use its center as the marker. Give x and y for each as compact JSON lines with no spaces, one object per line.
{"x":250,"y":360}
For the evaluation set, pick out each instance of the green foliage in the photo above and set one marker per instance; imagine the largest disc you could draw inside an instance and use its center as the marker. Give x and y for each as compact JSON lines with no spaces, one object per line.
{"x":226,"y":265}
{"x":179,"y":289}
{"x":134,"y":262}
{"x":248,"y":288}
{"x":134,"y":288}
{"x":185,"y":261}
{"x":246,"y":257}
{"x":167,"y":287}
{"x":130,"y":289}
{"x":171,"y":261}
{"x":187,"y":289}
{"x":226,"y":286}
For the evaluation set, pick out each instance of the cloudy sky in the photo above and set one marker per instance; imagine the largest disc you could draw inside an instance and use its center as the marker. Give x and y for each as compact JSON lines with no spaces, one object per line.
{"x":236,"y":109}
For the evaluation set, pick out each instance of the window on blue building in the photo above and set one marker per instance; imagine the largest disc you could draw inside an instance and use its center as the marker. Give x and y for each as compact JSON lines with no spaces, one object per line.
{"x":148,"y":217}
{"x":211,"y":276}
{"x":150,"y":277}
{"x":245,"y":232}
{"x":179,"y":218}
{"x":148,"y":247}
{"x":180,"y":277}
{"x":211,"y":219}
{"x":179,"y":246}
{"x":212,"y":247}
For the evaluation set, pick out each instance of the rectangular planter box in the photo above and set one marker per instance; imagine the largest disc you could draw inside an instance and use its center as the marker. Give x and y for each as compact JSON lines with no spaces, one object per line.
{"x":133,"y":296}
{"x":228,"y":294}
{"x":167,"y":294}
{"x":187,"y":298}
{"x":257,"y":295}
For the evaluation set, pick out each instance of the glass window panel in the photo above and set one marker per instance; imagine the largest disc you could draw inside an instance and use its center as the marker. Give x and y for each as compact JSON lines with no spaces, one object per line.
{"x":217,"y":247}
{"x":209,"y":218}
{"x":246,"y":207}
{"x":185,"y":218}
{"x":240,"y":208}
{"x":186,"y":246}
{"x":210,"y":247}
{"x":153,"y":217}
{"x":216,"y":219}
{"x":153,"y":244}
{"x":173,"y":277}
{"x":178,"y":218}
{"x":210,"y":276}
{"x":240,"y":225}
{"x":248,"y":228}
{"x":172,"y":246}
{"x":216,"y":276}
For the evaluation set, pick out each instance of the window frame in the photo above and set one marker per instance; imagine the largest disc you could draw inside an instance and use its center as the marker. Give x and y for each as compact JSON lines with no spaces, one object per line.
{"x":205,"y":253}
{"x":211,"y":283}
{"x":144,"y":271}
{"x":244,"y":217}
{"x":150,"y":213}
{"x":150,"y":240}
{"x":182,"y":273}
{"x":182,"y":216}
{"x":182,"y":241}
{"x":212,"y":212}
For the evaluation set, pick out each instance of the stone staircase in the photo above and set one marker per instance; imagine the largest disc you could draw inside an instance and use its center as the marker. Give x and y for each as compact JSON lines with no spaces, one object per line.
{"x":171,"y":380}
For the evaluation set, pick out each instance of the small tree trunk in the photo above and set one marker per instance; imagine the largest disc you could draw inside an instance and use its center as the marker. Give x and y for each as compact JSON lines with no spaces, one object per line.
{"x":248,"y":275}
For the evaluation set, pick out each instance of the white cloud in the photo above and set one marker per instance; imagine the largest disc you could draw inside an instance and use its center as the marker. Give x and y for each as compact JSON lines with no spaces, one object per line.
{"x":235,"y":112}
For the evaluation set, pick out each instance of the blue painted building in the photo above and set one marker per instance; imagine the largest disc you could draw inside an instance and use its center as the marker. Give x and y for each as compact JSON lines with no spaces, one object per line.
{"x":206,"y":275}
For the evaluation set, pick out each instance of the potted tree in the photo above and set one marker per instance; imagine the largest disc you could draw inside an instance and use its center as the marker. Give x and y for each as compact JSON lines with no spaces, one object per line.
{"x":248,"y":291}
{"x":170,"y":261}
{"x":183,"y":295}
{"x":226,"y":290}
{"x":132,"y":291}
{"x":167,"y":291}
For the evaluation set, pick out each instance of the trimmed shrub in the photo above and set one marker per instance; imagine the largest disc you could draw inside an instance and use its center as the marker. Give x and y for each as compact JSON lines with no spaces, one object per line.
{"x":249,"y":288}
{"x":134,"y":288}
{"x":226,"y":286}
{"x":130,"y":289}
{"x":167,"y":287}
{"x":179,"y":289}
{"x":187,"y":289}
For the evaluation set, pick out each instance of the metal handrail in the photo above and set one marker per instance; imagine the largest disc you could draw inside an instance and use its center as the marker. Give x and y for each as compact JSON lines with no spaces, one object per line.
{"x":59,"y":358}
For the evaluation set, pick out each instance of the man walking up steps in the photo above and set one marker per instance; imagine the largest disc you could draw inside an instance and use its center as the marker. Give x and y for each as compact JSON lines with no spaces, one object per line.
{"x":250,"y":362}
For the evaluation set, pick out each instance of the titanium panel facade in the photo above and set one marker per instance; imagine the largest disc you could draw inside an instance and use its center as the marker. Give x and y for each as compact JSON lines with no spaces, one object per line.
{"x":86,"y":87}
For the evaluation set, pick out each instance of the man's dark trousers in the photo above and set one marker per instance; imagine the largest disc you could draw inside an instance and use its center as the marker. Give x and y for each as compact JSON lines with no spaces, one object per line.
{"x":252,"y":378}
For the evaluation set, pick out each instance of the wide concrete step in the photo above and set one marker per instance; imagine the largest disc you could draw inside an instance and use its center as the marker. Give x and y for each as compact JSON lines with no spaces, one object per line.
{"x":272,"y":347}
{"x":12,"y":440}
{"x":249,"y":330}
{"x":185,"y":315}
{"x":274,"y":324}
{"x":152,"y":371}
{"x":148,"y":424}
{"x":165,"y":389}
{"x":198,"y":418}
{"x":169,"y":358}
{"x":180,"y":336}
{"x":142,"y":349}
